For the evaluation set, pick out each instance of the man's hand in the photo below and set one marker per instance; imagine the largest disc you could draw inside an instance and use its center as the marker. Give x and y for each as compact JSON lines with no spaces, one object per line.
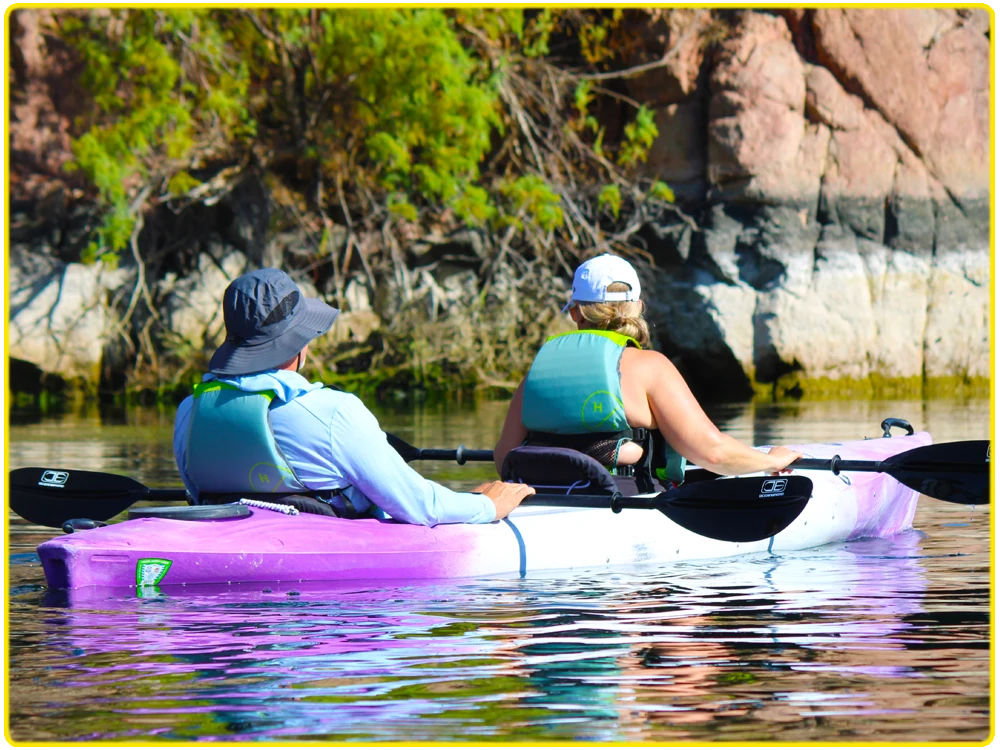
{"x":505,"y":496}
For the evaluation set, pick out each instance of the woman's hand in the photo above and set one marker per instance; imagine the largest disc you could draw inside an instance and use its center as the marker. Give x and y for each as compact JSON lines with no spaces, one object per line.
{"x":780,"y":458}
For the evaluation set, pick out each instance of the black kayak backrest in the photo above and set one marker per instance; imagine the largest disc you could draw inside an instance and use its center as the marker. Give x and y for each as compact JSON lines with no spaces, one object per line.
{"x":557,"y":470}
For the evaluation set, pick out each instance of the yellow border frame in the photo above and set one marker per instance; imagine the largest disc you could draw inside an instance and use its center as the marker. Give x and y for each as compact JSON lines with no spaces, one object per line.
{"x":4,"y":368}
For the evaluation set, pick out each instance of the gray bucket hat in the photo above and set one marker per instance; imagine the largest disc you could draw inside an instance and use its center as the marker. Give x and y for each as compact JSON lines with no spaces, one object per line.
{"x":268,"y":322}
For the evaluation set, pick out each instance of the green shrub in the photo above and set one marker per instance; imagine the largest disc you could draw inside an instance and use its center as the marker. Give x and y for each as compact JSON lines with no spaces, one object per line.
{"x":380,"y":110}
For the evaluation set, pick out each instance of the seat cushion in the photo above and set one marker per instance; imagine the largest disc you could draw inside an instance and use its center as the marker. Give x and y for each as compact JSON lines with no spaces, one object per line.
{"x":557,"y":470}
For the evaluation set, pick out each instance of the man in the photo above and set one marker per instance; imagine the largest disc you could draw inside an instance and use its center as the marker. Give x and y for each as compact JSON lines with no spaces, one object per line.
{"x":255,"y":427}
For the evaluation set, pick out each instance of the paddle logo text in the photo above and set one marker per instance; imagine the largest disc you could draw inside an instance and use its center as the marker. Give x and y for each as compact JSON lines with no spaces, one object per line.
{"x":773,"y":488}
{"x":52,"y":478}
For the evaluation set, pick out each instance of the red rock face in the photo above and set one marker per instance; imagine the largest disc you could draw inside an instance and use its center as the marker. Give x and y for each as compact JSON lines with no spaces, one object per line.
{"x":926,"y":72}
{"x":758,"y":143}
{"x":44,"y":100}
{"x":853,"y":101}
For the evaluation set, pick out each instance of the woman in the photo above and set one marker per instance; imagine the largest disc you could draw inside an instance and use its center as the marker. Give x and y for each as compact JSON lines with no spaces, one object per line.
{"x":589,"y":389}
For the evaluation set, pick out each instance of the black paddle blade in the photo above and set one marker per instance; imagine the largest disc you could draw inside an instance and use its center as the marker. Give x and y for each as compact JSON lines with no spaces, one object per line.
{"x":737,"y":510}
{"x":954,"y":472}
{"x":403,"y":448}
{"x":50,"y":497}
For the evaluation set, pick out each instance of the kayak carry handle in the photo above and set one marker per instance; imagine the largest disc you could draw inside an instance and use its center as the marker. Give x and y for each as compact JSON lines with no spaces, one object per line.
{"x":81,"y":524}
{"x":890,"y":422}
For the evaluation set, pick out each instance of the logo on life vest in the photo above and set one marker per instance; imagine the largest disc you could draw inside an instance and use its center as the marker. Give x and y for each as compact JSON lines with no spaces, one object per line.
{"x":773,"y":488}
{"x":600,"y":407}
{"x":265,"y":477}
{"x":52,"y":478}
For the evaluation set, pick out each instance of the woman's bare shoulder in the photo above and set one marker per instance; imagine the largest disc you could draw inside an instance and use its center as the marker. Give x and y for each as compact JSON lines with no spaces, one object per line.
{"x":650,"y":367}
{"x":643,"y":358}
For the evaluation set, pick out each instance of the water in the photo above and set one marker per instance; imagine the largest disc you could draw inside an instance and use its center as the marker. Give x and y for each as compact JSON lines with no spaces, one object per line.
{"x":876,"y":640}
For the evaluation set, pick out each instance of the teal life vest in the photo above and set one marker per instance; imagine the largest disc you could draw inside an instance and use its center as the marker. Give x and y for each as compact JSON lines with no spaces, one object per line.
{"x":574,"y":385}
{"x":574,"y":389}
{"x":230,"y":446}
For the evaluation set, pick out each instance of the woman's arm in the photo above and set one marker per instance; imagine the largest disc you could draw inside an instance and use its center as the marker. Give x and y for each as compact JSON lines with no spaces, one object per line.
{"x":688,"y":429}
{"x":514,"y":432}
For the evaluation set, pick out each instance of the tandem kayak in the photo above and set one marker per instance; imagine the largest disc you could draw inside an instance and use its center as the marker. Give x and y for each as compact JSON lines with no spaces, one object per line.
{"x":270,"y":547}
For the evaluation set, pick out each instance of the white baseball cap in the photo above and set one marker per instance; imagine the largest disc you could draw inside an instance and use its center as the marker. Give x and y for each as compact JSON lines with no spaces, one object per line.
{"x":592,"y":279}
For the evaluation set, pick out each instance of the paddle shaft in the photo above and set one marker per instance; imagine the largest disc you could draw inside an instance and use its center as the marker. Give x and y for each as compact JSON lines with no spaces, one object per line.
{"x":593,"y":501}
{"x":835,"y":464}
{"x":178,"y":494}
{"x":838,"y":465}
{"x":460,"y":456}
{"x":615,"y":503}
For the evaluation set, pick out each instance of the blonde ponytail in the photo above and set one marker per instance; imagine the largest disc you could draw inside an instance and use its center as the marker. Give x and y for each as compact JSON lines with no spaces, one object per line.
{"x":619,"y":317}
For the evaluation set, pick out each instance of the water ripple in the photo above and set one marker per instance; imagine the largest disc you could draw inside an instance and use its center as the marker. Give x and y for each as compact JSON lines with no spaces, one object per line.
{"x":880,"y":640}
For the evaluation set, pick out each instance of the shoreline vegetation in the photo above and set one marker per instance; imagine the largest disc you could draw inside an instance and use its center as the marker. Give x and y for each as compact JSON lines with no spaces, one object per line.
{"x":421,"y":169}
{"x":387,"y":388}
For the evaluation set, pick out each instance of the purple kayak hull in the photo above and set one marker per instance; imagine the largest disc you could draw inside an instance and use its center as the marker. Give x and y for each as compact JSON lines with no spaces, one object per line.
{"x":271,"y":547}
{"x":266,"y":546}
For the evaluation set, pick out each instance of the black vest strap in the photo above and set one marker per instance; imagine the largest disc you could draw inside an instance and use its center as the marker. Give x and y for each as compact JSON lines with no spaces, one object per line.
{"x":643,"y":470}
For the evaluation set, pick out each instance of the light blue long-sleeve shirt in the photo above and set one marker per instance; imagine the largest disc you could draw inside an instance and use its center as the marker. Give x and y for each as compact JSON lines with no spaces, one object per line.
{"x":331,"y":440}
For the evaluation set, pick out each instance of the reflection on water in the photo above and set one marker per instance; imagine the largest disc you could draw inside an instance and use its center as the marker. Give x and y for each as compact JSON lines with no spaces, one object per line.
{"x":876,"y":640}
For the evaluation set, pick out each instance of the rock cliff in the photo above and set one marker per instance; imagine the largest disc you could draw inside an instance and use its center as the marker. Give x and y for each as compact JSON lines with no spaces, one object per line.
{"x":841,"y":160}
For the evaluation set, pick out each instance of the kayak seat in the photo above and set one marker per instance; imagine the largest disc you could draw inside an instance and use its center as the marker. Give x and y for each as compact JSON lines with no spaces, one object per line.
{"x":557,"y":471}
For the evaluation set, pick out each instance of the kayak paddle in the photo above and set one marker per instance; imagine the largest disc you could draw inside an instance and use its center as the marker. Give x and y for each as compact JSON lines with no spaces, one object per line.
{"x":732,"y":510}
{"x":49,"y":497}
{"x":954,"y":472}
